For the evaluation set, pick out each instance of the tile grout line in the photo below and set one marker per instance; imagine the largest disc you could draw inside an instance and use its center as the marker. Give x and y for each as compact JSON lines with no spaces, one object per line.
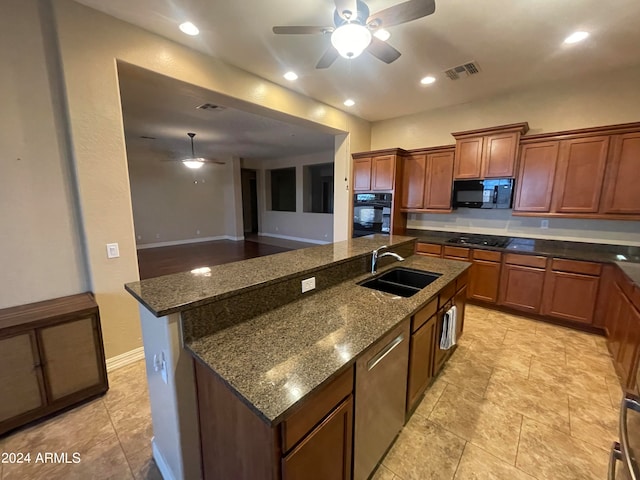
{"x":118,"y":437}
{"x":515,"y":462}
{"x":460,"y":460}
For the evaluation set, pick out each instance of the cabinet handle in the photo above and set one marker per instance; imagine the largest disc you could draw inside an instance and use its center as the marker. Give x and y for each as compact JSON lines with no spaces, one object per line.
{"x":628,"y":402}
{"x":384,"y":352}
{"x":614,"y":456}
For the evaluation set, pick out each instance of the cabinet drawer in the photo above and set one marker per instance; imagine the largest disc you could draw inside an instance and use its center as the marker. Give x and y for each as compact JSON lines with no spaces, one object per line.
{"x":457,"y":252}
{"x":424,"y":314}
{"x":487,"y":255}
{"x":429,"y":248}
{"x":313,"y":410}
{"x":574,"y":266}
{"x":525,"y":260}
{"x":447,"y":293}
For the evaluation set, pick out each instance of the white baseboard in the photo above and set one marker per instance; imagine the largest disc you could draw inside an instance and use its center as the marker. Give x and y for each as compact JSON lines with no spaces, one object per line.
{"x":297,"y":239}
{"x":125,"y":359}
{"x":163,"y":466}
{"x":144,"y":246}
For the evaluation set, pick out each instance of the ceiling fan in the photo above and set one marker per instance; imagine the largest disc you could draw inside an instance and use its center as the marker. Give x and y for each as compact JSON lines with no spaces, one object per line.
{"x":197,"y":162}
{"x":354,"y":26}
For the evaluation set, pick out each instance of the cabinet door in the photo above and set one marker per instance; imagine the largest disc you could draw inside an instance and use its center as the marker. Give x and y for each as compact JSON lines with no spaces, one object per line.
{"x":362,"y":174}
{"x":536,"y":173}
{"x":420,"y":361}
{"x":616,"y":320}
{"x":630,"y":343}
{"x":468,"y":159}
{"x":20,"y":376}
{"x":439,"y":181}
{"x":326,"y":451}
{"x":570,"y":296}
{"x":383,"y":172}
{"x":71,"y":357}
{"x":499,"y":155}
{"x":621,"y":192}
{"x":484,"y":280}
{"x":413,"y":181}
{"x":580,"y":175}
{"x":521,"y":287}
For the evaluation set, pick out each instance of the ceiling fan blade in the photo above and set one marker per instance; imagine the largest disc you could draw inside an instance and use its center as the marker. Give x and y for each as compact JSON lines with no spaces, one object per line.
{"x":301,"y":30}
{"x":403,"y":13}
{"x":383,"y":51}
{"x":328,"y":58}
{"x":347,"y":6}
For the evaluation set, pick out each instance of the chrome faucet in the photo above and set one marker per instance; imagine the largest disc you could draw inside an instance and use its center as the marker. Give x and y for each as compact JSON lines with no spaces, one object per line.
{"x":375,"y":256}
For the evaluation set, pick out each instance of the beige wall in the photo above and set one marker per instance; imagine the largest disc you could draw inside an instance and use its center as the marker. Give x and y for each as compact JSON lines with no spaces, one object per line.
{"x":91,"y":43}
{"x":172,"y":203}
{"x":608,"y":99}
{"x":40,"y":239}
{"x":317,"y":227}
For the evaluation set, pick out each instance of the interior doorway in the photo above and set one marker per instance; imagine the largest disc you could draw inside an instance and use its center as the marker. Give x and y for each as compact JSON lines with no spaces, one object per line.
{"x":249,"y":179}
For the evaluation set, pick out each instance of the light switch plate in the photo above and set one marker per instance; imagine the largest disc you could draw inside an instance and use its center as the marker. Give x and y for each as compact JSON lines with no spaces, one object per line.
{"x":308,"y":284}
{"x":113,"y":251}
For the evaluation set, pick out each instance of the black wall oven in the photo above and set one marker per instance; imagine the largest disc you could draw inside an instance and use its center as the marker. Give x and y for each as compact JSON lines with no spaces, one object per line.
{"x":371,"y":213}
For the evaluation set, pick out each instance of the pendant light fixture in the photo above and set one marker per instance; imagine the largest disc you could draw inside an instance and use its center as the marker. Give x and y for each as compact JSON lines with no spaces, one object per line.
{"x":193,"y":162}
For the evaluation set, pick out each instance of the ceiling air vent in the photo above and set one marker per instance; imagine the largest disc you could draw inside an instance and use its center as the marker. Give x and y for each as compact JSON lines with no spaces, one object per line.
{"x":462,"y":71}
{"x":209,"y":106}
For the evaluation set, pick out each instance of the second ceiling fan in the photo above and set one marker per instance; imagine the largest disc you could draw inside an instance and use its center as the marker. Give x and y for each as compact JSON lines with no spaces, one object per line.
{"x":354,"y":27}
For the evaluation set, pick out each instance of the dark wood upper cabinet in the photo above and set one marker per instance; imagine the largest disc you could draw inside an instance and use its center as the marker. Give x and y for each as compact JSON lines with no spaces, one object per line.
{"x":413,"y":181}
{"x":621,"y":193}
{"x":580,"y":174}
{"x":499,"y":155}
{"x":468,"y":158}
{"x":383,"y":172}
{"x":488,"y":152}
{"x":362,"y":174}
{"x":534,"y":184}
{"x":439,"y":181}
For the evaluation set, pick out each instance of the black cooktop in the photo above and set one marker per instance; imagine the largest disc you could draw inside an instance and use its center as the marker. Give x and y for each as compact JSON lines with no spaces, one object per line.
{"x":487,"y":241}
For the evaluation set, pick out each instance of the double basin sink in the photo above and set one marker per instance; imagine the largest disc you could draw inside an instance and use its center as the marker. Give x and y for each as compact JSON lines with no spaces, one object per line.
{"x":403,"y":282}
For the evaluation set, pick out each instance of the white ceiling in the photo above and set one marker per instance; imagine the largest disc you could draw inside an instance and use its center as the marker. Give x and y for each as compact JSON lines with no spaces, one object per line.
{"x":515,"y":42}
{"x":165,"y":108}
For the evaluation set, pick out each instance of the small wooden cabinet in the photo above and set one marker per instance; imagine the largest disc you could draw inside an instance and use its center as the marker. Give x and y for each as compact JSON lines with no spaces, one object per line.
{"x":374,"y":171}
{"x":51,"y":357}
{"x":427,"y":180}
{"x":621,"y":194}
{"x":571,"y":290}
{"x":484,"y":278}
{"x":580,"y":173}
{"x":536,"y":174}
{"x":423,"y":327}
{"x":522,"y":281}
{"x":488,"y":152}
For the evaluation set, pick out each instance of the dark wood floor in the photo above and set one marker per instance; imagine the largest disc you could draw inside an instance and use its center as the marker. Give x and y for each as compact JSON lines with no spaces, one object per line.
{"x":154,"y":262}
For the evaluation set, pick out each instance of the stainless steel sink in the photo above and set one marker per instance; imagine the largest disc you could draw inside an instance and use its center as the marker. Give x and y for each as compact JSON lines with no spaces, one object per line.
{"x":404,"y":282}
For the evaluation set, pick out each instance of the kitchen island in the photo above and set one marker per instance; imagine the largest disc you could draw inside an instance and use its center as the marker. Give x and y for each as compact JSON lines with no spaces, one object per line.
{"x":271,"y":363}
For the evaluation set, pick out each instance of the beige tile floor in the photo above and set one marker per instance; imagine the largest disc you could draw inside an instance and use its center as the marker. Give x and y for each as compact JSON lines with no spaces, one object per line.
{"x":517,"y":400}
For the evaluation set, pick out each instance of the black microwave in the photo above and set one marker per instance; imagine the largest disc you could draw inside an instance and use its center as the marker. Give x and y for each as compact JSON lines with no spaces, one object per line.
{"x":490,"y":193}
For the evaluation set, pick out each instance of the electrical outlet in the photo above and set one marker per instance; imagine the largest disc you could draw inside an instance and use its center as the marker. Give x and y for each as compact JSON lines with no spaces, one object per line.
{"x":113,"y":251}
{"x":308,"y":284}
{"x":544,"y":223}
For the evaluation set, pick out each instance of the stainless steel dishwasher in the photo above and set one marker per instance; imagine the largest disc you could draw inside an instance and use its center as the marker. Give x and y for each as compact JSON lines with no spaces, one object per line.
{"x":381,"y":391}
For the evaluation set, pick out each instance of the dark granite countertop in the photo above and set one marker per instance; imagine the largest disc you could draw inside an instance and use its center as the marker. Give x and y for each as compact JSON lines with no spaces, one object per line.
{"x":275,"y":359}
{"x":631,"y":270}
{"x":180,"y":291}
{"x":595,"y":252}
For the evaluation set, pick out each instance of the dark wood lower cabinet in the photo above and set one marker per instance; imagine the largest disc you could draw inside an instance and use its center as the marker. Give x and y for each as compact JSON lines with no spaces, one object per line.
{"x":326,"y":451}
{"x":484,"y":280}
{"x":521,"y":287}
{"x":51,"y":357}
{"x":421,"y":362}
{"x":570,"y":296}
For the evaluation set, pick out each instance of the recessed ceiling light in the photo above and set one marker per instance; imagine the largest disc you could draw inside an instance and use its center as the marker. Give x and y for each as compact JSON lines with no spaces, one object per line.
{"x":189,"y":28}
{"x":428,"y":80}
{"x":291,"y":76}
{"x":382,"y":34}
{"x":576,"y":37}
{"x":349,"y":103}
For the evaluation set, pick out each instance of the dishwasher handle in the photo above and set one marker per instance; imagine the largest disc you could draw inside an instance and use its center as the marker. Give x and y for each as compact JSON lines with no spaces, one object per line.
{"x":384,"y":352}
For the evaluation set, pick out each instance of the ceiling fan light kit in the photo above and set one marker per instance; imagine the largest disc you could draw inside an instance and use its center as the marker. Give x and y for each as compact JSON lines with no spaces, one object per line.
{"x":193,"y":162}
{"x":350,"y":39}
